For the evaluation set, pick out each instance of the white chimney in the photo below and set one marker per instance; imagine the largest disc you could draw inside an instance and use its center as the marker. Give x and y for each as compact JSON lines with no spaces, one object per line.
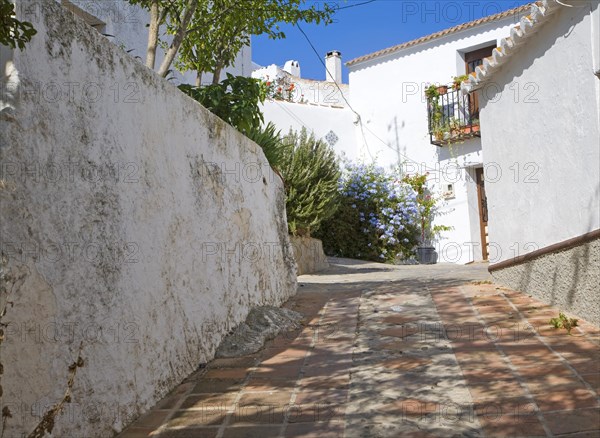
{"x":333,"y":62}
{"x":292,"y":67}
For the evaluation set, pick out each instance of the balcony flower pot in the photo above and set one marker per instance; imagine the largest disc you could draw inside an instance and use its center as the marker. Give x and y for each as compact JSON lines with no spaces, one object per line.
{"x":426,"y":255}
{"x":442,"y":89}
{"x":475,"y":128}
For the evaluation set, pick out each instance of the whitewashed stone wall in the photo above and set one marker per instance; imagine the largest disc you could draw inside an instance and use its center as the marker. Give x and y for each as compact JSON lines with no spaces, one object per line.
{"x":541,"y":125}
{"x":544,"y":144}
{"x":144,"y":227}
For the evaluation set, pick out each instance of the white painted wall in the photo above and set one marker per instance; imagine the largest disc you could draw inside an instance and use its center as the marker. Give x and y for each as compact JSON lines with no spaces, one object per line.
{"x":388,"y":93}
{"x":307,"y":90}
{"x":141,"y":223}
{"x":318,"y":119}
{"x":551,"y":131}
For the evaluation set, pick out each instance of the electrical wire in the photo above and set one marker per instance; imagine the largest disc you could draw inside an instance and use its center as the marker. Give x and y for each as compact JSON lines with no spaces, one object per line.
{"x":355,"y":5}
{"x":359,"y":118}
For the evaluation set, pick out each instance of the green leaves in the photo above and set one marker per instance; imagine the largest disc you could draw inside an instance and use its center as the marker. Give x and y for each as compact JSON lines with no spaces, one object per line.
{"x":311,"y":173}
{"x":564,"y":322}
{"x":13,"y":33}
{"x":269,"y":139}
{"x":376,"y":219}
{"x":220,"y":28}
{"x":235,"y":100}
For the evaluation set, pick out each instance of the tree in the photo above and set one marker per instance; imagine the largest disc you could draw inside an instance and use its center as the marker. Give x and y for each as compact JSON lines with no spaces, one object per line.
{"x":220,"y":28}
{"x":13,"y":33}
{"x":177,"y":14}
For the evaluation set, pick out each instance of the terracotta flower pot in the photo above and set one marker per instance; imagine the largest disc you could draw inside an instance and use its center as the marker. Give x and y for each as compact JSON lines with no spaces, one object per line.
{"x":442,"y":89}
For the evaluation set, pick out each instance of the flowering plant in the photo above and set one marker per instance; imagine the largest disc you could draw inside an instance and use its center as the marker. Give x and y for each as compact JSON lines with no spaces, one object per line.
{"x":280,"y":89}
{"x":377,"y":219}
{"x":427,"y":208}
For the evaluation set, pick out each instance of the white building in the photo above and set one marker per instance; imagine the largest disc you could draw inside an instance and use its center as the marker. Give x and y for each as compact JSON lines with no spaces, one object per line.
{"x":540,"y":119}
{"x":319,"y":106}
{"x":387,"y":90}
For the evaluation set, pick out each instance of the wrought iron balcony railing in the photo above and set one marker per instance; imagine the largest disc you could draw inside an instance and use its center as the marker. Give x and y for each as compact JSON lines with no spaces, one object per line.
{"x":453,"y":116}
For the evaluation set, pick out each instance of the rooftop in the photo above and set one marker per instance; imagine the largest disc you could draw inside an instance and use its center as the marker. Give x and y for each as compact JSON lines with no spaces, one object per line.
{"x":442,"y":33}
{"x":539,"y":12}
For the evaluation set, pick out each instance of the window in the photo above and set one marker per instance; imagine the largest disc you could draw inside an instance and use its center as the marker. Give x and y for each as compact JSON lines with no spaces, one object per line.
{"x":475,"y":58}
{"x":472,"y":61}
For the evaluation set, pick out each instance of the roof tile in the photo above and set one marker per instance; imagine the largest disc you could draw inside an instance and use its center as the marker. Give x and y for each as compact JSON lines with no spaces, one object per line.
{"x":540,"y":12}
{"x":442,"y":33}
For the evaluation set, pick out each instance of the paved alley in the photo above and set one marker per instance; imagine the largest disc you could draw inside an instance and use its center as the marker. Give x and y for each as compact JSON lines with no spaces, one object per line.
{"x":398,"y":351}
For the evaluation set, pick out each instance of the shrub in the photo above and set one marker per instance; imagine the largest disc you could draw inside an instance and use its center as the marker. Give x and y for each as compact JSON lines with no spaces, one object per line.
{"x":311,"y":173}
{"x":235,"y":100}
{"x":275,"y":149}
{"x":377,"y":218}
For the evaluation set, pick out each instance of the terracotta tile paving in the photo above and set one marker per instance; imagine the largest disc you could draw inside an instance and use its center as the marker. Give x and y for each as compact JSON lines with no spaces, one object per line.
{"x":457,"y":359}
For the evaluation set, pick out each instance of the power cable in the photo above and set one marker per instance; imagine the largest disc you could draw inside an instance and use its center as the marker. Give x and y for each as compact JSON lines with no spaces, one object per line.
{"x":359,"y":118}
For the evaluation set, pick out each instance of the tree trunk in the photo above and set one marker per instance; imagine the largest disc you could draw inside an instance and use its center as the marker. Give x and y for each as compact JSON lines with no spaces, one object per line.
{"x":152,"y":35}
{"x":217,"y":74}
{"x":178,"y":39}
{"x":198,"y":78}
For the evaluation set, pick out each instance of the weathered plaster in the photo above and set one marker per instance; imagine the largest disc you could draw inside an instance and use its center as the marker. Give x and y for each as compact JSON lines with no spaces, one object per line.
{"x":309,"y":255}
{"x":567,"y":279}
{"x":148,"y":228}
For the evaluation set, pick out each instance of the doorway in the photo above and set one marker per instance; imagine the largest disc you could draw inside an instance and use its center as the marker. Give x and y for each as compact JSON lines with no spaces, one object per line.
{"x":483,"y":212}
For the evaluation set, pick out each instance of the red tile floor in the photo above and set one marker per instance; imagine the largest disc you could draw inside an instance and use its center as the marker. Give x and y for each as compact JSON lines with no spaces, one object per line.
{"x":523,"y":377}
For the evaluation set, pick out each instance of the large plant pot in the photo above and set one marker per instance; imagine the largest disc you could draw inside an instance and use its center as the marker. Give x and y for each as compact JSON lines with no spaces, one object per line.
{"x":426,"y":255}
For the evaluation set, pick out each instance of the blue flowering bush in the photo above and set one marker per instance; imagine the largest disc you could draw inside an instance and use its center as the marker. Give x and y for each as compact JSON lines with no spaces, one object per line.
{"x":377,"y":218}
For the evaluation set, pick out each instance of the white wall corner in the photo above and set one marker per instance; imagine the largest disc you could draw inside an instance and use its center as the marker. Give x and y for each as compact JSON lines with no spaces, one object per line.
{"x":596,"y":37}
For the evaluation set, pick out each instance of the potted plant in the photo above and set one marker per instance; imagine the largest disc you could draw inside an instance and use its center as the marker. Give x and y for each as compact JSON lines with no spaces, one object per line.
{"x":435,"y":112}
{"x":455,"y":128}
{"x":458,"y":80}
{"x":442,"y":89}
{"x":431,"y":92}
{"x":427,"y":205}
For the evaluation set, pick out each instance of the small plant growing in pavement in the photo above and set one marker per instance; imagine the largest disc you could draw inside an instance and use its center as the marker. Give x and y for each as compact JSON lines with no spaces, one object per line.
{"x":564,"y":322}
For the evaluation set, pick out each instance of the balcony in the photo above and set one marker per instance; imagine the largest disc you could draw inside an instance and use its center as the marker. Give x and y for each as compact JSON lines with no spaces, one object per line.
{"x":453,"y":116}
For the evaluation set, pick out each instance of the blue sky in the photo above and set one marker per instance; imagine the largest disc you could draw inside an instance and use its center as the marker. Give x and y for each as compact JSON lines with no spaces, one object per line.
{"x":366,"y":28}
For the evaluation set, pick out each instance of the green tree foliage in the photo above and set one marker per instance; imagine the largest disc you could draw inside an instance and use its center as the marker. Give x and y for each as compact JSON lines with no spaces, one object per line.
{"x":13,"y":32}
{"x":220,"y":28}
{"x":207,"y":35}
{"x":311,"y":172}
{"x":235,"y":100}
{"x":428,"y":209}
